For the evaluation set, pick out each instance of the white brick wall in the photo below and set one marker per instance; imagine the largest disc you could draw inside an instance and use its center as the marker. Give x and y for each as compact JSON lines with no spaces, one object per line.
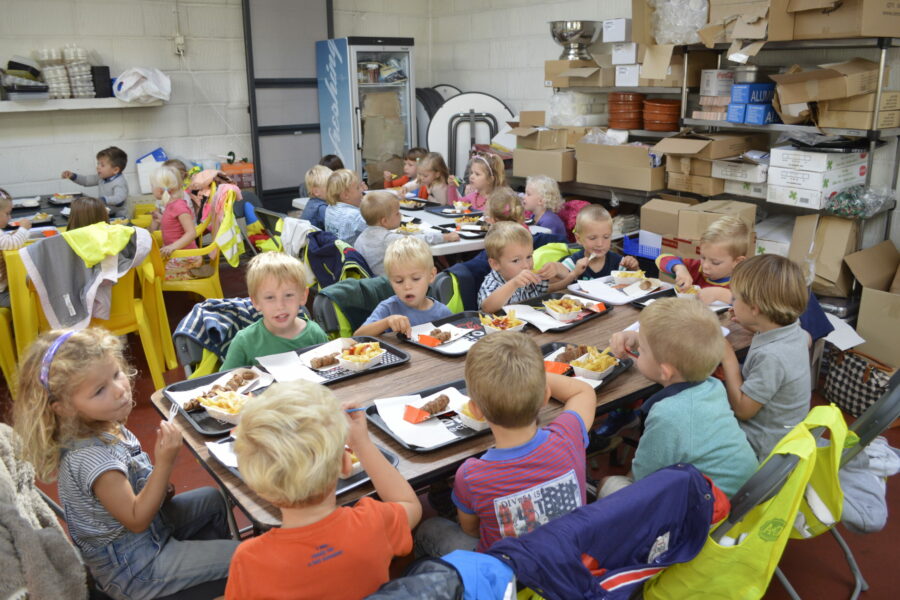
{"x":207,"y":114}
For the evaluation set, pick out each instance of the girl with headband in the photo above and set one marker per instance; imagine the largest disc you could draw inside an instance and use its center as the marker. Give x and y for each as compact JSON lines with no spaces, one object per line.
{"x":137,"y":540}
{"x":486,"y":172}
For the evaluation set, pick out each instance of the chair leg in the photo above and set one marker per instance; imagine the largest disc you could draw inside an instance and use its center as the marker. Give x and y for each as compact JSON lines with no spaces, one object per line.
{"x":859,"y":583}
{"x":787,"y":584}
{"x":152,"y":355}
{"x":229,"y":515}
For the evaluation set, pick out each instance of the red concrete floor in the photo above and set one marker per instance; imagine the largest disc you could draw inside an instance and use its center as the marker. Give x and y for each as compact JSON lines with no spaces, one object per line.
{"x":815,"y":567}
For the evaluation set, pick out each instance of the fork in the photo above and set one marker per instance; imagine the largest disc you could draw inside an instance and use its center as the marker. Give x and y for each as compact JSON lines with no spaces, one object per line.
{"x":173,"y":411}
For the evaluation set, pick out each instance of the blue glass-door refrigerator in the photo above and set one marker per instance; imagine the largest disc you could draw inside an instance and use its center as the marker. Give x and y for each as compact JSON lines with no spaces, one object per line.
{"x":366,"y":100}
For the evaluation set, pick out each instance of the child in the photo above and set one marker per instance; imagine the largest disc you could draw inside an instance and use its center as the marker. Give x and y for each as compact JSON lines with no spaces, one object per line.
{"x":9,"y":241}
{"x":277,"y":286}
{"x":593,"y":230}
{"x":543,"y":199}
{"x":486,"y":172}
{"x":435,"y":176}
{"x":316,"y":185}
{"x":409,"y":180}
{"x":111,"y":185}
{"x":770,"y":393}
{"x":532,"y":475}
{"x":332,"y":161}
{"x":180,"y":168}
{"x":409,"y":267}
{"x":138,"y":541}
{"x":344,"y":193}
{"x":509,"y":249}
{"x":689,"y":420}
{"x":290,"y":450}
{"x":503,"y":204}
{"x":722,"y":246}
{"x":85,"y":211}
{"x":381,"y":210}
{"x":176,"y":222}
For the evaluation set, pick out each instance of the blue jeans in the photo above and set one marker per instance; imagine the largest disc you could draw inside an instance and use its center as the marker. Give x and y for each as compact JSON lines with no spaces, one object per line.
{"x":438,"y":536}
{"x":186,"y":544}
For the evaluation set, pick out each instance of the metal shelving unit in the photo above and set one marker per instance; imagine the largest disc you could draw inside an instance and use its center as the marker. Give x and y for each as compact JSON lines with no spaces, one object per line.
{"x":10,"y":106}
{"x":781,"y":127}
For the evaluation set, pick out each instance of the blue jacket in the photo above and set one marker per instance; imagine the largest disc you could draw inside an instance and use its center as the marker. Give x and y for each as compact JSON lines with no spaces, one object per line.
{"x":330,"y":258}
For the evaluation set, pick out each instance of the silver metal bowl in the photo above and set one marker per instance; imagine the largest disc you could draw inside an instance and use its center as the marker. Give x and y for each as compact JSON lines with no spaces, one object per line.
{"x":575,"y":37}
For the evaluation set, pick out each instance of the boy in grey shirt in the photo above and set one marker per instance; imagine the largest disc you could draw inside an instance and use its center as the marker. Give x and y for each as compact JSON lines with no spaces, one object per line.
{"x":111,"y":185}
{"x":770,"y":394}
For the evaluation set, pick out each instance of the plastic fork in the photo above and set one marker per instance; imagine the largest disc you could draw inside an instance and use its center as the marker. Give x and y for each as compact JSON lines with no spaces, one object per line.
{"x":173,"y":411}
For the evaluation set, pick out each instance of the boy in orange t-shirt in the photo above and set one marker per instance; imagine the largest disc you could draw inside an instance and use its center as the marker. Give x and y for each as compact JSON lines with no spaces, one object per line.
{"x":290,"y":450}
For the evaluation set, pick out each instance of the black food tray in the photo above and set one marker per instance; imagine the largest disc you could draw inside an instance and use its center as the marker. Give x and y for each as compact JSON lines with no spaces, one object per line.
{"x":427,"y":203}
{"x":439,"y":210}
{"x":642,"y":303}
{"x":466,"y":234}
{"x":624,"y":363}
{"x":468,"y":319}
{"x":462,"y":432}
{"x":538,"y":302}
{"x":392,"y":358}
{"x":343,"y":485}
{"x":199,"y":418}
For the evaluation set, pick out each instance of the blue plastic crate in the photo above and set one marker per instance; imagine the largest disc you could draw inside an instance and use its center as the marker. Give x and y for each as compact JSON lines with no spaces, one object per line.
{"x":632,"y":247}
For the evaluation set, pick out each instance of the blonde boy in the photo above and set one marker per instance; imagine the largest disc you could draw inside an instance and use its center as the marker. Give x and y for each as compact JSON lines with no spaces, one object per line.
{"x":316,"y":184}
{"x":291,"y":451}
{"x":343,"y":193}
{"x":770,"y":393}
{"x":593,"y":230}
{"x":381,"y":211}
{"x":722,"y":246}
{"x":689,"y":420}
{"x":532,"y":475}
{"x":9,"y":241}
{"x":409,"y":267}
{"x":277,"y":286}
{"x":509,"y":248}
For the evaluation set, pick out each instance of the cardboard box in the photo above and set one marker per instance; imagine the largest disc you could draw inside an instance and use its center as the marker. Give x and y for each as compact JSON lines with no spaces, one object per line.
{"x":695,"y":184}
{"x":383,"y":137}
{"x":879,"y":312}
{"x":688,"y":166}
{"x":890,"y":100}
{"x":530,"y":118}
{"x":540,"y":138}
{"x":821,"y":162}
{"x":712,"y":145}
{"x":820,"y":182}
{"x":824,"y":241}
{"x":739,"y":19}
{"x":376,"y":170}
{"x":794,"y":196}
{"x":556,"y":164}
{"x":640,"y":22}
{"x":661,"y":216}
{"x":851,"y":119}
{"x":740,"y":170}
{"x":381,"y":104}
{"x":694,"y":220}
{"x":760,"y":114}
{"x":627,"y":53}
{"x":616,"y":30}
{"x":574,"y":135}
{"x":716,"y":82}
{"x":633,"y":178}
{"x":751,"y":190}
{"x":675,"y":72}
{"x":832,"y":19}
{"x":857,"y":76}
{"x":628,"y":75}
{"x":752,"y":93}
{"x":773,"y":235}
{"x":577,"y":73}
{"x":626,"y":156}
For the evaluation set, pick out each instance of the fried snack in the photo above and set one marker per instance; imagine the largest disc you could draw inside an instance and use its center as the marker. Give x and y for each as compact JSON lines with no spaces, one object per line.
{"x":443,"y":336}
{"x":192,"y":404}
{"x":41,"y":216}
{"x":228,"y":402}
{"x":461,"y":220}
{"x":505,"y":322}
{"x":571,"y":353}
{"x":629,"y":274}
{"x":409,"y":228}
{"x":564,"y":305}
{"x":646,"y":285}
{"x":249,"y":375}
{"x":362,"y":352}
{"x":319,"y":362}
{"x":438,"y":405}
{"x":411,"y":204}
{"x":596,"y":361}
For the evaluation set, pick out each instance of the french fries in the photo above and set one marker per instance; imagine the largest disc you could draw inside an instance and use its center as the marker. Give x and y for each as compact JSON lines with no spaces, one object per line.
{"x":564,"y":305}
{"x":226,"y":401}
{"x":360,"y":353}
{"x":505,"y":322}
{"x":595,"y":360}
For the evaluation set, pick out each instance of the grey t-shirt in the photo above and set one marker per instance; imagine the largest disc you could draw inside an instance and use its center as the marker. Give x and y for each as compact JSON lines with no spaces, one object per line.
{"x":776,"y":374}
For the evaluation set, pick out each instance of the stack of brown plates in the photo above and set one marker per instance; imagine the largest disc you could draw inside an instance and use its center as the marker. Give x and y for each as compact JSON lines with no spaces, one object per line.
{"x":626,"y":110}
{"x":661,"y":114}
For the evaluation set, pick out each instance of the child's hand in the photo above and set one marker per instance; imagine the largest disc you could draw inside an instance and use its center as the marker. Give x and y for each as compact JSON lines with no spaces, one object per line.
{"x":451,"y":237}
{"x":165,"y":251}
{"x":709,"y":295}
{"x":358,"y":433}
{"x":683,"y":279}
{"x":25,"y":223}
{"x":623,"y":341}
{"x":66,"y":175}
{"x":581,"y":265}
{"x":168,"y":443}
{"x":552,"y":270}
{"x":388,"y":176}
{"x":399,"y":324}
{"x":630,"y":263}
{"x":525,"y":278}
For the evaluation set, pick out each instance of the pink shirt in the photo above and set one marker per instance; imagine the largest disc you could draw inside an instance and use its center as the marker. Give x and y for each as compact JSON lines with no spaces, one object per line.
{"x":169,"y":224}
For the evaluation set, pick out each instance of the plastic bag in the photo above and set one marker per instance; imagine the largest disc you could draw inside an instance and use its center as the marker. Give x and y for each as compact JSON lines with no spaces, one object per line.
{"x":858,"y":201}
{"x":677,"y":21}
{"x":143,"y":86}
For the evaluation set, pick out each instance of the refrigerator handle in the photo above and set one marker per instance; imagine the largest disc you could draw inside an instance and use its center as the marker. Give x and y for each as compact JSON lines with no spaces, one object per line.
{"x":358,"y":125}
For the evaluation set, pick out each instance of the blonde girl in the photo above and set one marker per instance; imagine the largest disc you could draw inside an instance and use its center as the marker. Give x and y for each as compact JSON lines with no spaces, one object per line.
{"x":137,"y":541}
{"x":503,"y":204}
{"x":486,"y":172}
{"x":176,"y":221}
{"x":543,"y":200}
{"x":435,"y":176}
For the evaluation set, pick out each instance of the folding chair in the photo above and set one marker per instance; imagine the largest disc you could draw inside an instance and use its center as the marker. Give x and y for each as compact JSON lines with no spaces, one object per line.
{"x":342,"y":307}
{"x":445,"y":290}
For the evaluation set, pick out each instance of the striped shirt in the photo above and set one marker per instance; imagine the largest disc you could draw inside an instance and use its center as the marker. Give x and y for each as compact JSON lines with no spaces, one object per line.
{"x":494,"y":280}
{"x":90,"y":524}
{"x":515,"y":490}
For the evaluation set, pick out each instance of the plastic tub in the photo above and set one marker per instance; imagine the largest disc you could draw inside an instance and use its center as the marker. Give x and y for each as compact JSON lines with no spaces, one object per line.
{"x":626,"y":97}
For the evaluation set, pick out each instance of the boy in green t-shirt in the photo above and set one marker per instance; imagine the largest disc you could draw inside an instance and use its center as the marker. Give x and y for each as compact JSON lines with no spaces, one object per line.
{"x":277,"y":286}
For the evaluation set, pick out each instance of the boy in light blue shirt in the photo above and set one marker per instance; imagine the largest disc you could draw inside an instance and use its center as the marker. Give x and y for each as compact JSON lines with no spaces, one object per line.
{"x":344,"y":193}
{"x":409,"y":267}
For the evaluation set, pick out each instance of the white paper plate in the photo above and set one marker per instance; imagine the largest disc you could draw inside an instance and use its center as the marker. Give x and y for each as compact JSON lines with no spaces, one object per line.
{"x":588,"y":374}
{"x":352,"y":365}
{"x":488,"y":329}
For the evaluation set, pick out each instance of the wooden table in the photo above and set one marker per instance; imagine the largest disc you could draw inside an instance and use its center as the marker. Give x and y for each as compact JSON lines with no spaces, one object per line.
{"x":426,"y":369}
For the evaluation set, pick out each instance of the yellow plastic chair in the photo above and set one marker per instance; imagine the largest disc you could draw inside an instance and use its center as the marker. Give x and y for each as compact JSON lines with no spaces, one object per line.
{"x":22,"y":301}
{"x":152,"y":276}
{"x":7,"y":349}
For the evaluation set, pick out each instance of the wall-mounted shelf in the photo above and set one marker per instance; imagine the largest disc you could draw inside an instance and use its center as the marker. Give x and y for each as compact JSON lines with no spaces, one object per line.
{"x":9,"y":106}
{"x":638,"y":90}
{"x":866,"y":133}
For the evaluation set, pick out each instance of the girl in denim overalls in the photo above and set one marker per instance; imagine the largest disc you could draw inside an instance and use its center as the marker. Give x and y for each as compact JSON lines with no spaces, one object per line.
{"x":74,"y":396}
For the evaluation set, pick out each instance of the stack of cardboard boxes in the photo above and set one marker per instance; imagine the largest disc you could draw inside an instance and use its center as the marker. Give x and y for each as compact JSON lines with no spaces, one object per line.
{"x":630,"y":166}
{"x":543,"y":150}
{"x":715,"y":94}
{"x":689,"y":158}
{"x":751,"y":103}
{"x":808,"y":179}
